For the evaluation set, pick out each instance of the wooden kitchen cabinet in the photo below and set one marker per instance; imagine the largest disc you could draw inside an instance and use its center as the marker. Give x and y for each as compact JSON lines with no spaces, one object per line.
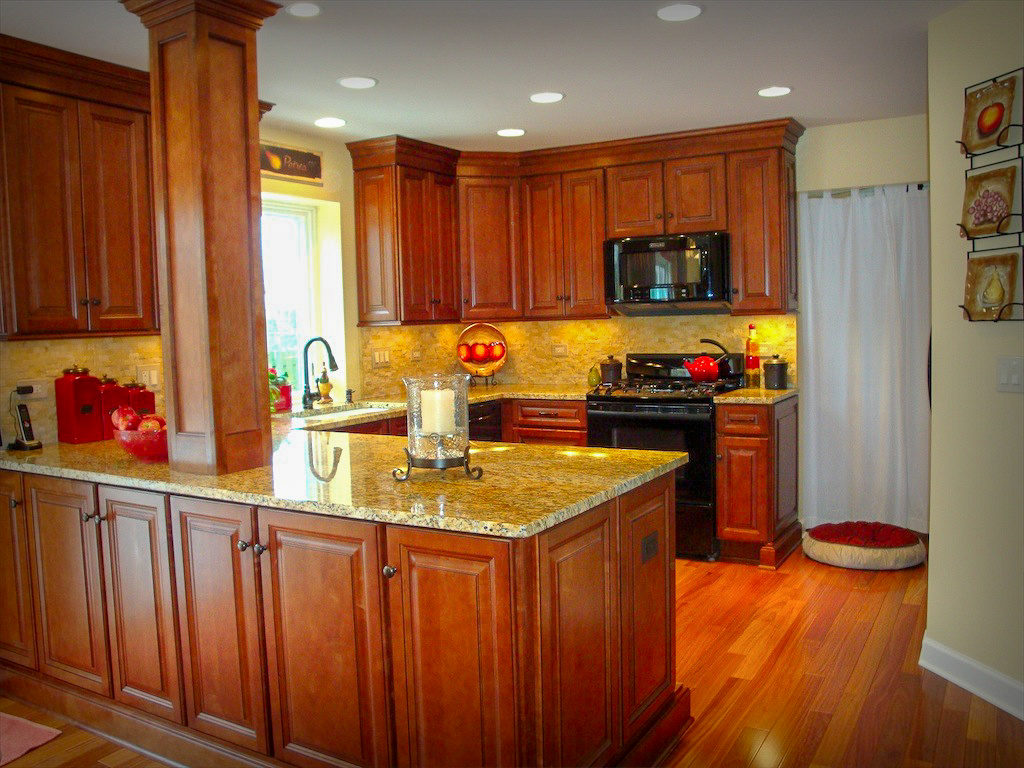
{"x":489,"y":249}
{"x":541,"y":232}
{"x":17,"y":627}
{"x":80,"y":213}
{"x":215,"y":564}
{"x":64,"y":549}
{"x":548,"y":422}
{"x":451,"y":624}
{"x":762,"y":220}
{"x":757,"y":482}
{"x":144,"y":652}
{"x":324,"y":637}
{"x":376,"y":223}
{"x":636,"y":204}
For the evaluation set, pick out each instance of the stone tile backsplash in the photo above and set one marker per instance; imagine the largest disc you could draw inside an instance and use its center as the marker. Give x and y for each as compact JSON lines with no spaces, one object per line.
{"x":46,"y":359}
{"x":531,"y":362}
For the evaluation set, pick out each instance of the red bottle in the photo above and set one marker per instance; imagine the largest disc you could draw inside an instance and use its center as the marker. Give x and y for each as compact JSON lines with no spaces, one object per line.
{"x":140,"y":398}
{"x":112,"y":396}
{"x":79,"y":413}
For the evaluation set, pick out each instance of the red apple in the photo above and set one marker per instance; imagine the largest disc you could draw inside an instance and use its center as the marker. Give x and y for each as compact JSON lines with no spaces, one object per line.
{"x":990,"y":118}
{"x":125,"y":417}
{"x":464,"y":352}
{"x":150,"y":424}
{"x":497,"y":350}
{"x":481,"y":353}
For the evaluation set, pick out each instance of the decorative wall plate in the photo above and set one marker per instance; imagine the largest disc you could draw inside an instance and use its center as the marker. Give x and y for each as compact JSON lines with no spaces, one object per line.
{"x":482,"y":349}
{"x":987,"y":114}
{"x":988,"y":201}
{"x":990,"y":285}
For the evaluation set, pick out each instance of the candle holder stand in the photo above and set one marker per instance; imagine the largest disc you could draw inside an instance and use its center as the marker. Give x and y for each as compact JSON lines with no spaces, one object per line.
{"x":438,"y":425}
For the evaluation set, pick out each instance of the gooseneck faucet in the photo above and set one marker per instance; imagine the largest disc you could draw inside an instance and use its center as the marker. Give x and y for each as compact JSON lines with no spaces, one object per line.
{"x":308,"y":398}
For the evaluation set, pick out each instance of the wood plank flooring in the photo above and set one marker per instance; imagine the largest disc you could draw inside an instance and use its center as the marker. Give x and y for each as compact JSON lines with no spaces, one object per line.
{"x":817,"y":666}
{"x":805,"y":666}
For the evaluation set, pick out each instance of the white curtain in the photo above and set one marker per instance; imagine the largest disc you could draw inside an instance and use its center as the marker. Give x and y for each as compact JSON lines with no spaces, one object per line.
{"x":863,"y":359}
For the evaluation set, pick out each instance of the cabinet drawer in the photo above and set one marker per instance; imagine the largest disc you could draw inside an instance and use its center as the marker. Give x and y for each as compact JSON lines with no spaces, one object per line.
{"x":743,"y":419}
{"x":550,"y":436}
{"x":561,"y":414}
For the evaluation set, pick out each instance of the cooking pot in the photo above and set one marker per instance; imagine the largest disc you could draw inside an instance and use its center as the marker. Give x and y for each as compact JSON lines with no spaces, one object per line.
{"x":611,"y":370}
{"x":703,"y":369}
{"x":776,"y":373}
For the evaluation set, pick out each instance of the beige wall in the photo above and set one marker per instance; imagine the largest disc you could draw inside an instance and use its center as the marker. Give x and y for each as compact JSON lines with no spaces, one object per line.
{"x":976,"y":573}
{"x":863,"y":154}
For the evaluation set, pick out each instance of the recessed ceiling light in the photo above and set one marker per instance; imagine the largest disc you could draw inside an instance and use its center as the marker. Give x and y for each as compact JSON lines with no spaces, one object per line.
{"x":329,"y":122}
{"x":679,"y":12}
{"x":547,"y":97}
{"x":304,"y":10}
{"x":357,"y":82}
{"x":773,"y":90}
{"x":509,"y":132}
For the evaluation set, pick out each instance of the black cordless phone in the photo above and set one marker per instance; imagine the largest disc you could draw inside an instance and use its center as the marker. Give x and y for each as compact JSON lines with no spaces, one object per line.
{"x":26,"y":435}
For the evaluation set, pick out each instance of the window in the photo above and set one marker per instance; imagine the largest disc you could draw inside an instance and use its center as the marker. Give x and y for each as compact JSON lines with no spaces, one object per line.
{"x":291,"y":279}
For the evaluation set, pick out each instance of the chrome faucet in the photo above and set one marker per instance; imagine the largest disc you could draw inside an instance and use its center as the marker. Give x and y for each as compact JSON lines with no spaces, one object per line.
{"x":308,"y":398}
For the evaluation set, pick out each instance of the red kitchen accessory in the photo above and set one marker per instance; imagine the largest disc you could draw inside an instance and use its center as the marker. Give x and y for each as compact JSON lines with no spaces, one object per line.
{"x":144,"y":446}
{"x":482,"y":349}
{"x":703,"y":369}
{"x":112,"y":396}
{"x":79,"y":413}
{"x":140,"y":398}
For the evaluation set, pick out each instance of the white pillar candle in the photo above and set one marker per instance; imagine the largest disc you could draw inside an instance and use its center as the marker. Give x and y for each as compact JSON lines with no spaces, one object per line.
{"x":438,"y":409}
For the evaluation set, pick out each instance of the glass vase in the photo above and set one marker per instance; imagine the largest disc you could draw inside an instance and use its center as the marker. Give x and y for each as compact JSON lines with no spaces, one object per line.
{"x":438,"y":423}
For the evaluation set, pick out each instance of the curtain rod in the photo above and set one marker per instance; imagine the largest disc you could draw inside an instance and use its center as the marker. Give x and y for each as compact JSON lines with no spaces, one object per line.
{"x":841,"y":192}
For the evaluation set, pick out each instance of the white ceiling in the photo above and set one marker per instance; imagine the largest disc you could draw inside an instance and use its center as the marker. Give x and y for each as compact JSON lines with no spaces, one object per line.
{"x":454,"y":71}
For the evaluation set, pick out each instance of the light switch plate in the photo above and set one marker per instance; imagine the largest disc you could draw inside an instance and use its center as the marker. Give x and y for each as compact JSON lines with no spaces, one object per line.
{"x":559,"y":350}
{"x":416,"y":355}
{"x":381,"y":358}
{"x":148,"y":375}
{"x":1010,"y":374}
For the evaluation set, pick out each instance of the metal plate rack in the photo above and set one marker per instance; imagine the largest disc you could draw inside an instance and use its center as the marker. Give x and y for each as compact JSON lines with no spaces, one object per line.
{"x":1007,"y":150}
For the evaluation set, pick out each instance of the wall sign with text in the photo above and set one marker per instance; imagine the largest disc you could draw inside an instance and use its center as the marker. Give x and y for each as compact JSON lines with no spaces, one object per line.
{"x":291,"y":164}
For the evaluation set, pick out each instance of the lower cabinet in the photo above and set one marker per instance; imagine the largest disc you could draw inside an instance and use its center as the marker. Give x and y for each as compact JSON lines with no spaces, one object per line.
{"x":218,"y":613}
{"x":325,"y":650}
{"x":17,"y":633}
{"x":450,"y":620}
{"x":545,"y":422}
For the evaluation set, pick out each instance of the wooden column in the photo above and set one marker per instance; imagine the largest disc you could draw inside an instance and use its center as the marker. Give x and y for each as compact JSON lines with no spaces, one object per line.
{"x":205,"y":115}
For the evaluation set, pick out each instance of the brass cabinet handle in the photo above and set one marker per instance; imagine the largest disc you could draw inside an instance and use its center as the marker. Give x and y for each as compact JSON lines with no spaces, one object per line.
{"x":549,"y":414}
{"x":389,"y":571}
{"x":258,"y":549}
{"x":242,"y":545}
{"x":98,"y":519}
{"x":86,"y":517}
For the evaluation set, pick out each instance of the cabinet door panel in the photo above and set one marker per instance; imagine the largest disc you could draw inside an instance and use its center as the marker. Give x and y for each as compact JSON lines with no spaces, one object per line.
{"x":583,"y":242}
{"x":744,"y":488}
{"x":117,"y":211}
{"x":325,"y":649}
{"x":541,"y":436}
{"x":489,"y":253}
{"x":451,"y":644}
{"x":446,"y":249}
{"x":17,"y":628}
{"x":415,"y":243}
{"x":580,"y":639}
{"x":140,"y":604}
{"x":68,"y":593}
{"x":755,"y":232}
{"x":695,"y":194}
{"x":45,"y":205}
{"x":541,"y":229}
{"x":219,"y":620}
{"x":376,"y":260}
{"x":786,"y":494}
{"x":647,"y":579}
{"x":635,"y":201}
{"x":789,"y":246}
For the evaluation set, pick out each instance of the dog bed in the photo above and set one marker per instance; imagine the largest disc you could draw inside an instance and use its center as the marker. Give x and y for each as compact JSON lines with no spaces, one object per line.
{"x":865,"y":546}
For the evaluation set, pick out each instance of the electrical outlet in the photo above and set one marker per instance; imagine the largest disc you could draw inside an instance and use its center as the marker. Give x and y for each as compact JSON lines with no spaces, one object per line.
{"x":416,"y":355}
{"x":41,"y":388}
{"x":381,"y":358}
{"x":559,"y":350}
{"x":148,"y":375}
{"x":1010,"y":374}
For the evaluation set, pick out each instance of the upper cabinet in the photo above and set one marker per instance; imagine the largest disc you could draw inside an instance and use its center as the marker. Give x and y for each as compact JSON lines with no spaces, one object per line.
{"x":636,"y":204}
{"x":78,"y":250}
{"x":488,"y":214}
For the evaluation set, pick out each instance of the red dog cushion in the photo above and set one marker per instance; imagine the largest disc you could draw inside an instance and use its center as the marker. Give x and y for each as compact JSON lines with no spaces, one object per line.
{"x":864,"y":534}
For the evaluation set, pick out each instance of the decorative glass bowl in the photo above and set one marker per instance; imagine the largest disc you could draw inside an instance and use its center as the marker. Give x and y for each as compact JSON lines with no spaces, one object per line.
{"x":438,"y":424}
{"x":144,"y":446}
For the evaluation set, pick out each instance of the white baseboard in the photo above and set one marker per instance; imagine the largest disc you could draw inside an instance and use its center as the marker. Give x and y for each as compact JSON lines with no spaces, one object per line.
{"x":992,"y":686}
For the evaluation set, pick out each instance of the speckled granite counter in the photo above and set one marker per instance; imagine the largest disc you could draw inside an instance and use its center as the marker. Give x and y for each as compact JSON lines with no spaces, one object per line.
{"x":755,"y":396}
{"x":525,"y":488}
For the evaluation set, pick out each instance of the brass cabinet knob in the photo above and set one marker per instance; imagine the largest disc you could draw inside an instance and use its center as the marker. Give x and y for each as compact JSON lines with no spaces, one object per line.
{"x":94,"y":302}
{"x":389,"y":571}
{"x":657,"y":215}
{"x":258,"y":549}
{"x":15,"y":502}
{"x":84,"y":302}
{"x":242,"y":545}
{"x":86,"y":517}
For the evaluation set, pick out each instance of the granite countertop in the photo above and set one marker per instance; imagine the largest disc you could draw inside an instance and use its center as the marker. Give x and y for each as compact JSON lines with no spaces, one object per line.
{"x":750,"y":396}
{"x":525,"y":489}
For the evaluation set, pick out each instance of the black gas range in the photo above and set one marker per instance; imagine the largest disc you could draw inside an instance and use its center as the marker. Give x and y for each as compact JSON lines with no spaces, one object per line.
{"x":659,"y":407}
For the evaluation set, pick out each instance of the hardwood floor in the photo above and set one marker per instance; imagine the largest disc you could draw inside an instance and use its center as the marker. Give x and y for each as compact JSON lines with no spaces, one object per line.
{"x":74,"y":747}
{"x":817,"y":666}
{"x":805,"y":666}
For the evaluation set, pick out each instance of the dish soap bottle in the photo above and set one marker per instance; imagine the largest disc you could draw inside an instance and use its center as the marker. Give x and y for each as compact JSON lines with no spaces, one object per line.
{"x":752,"y":373}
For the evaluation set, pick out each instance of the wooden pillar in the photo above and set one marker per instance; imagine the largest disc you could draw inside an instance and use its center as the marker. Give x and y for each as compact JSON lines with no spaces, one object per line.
{"x":202,"y":71}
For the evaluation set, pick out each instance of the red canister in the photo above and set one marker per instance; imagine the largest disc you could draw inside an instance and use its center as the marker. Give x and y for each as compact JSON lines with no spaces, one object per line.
{"x":140,"y":398}
{"x":79,"y":413}
{"x":112,"y":396}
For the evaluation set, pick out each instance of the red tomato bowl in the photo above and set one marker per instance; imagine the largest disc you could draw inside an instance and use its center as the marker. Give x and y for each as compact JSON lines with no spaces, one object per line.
{"x":144,"y":446}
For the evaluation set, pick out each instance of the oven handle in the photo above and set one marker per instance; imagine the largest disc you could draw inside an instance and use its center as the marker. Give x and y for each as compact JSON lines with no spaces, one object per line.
{"x":651,"y":415}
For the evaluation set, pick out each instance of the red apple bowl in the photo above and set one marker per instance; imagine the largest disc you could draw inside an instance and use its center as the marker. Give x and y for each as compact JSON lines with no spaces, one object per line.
{"x":144,"y":446}
{"x":125,"y":417}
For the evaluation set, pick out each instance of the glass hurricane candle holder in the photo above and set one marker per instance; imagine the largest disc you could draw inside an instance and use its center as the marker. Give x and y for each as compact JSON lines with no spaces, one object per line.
{"x":438,"y":421}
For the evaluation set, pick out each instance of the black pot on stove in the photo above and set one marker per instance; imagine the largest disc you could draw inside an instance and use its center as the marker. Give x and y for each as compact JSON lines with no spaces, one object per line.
{"x":611,"y":370}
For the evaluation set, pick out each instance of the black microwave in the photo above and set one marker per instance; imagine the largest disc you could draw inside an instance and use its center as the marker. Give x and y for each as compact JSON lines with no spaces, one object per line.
{"x":670,"y":274}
